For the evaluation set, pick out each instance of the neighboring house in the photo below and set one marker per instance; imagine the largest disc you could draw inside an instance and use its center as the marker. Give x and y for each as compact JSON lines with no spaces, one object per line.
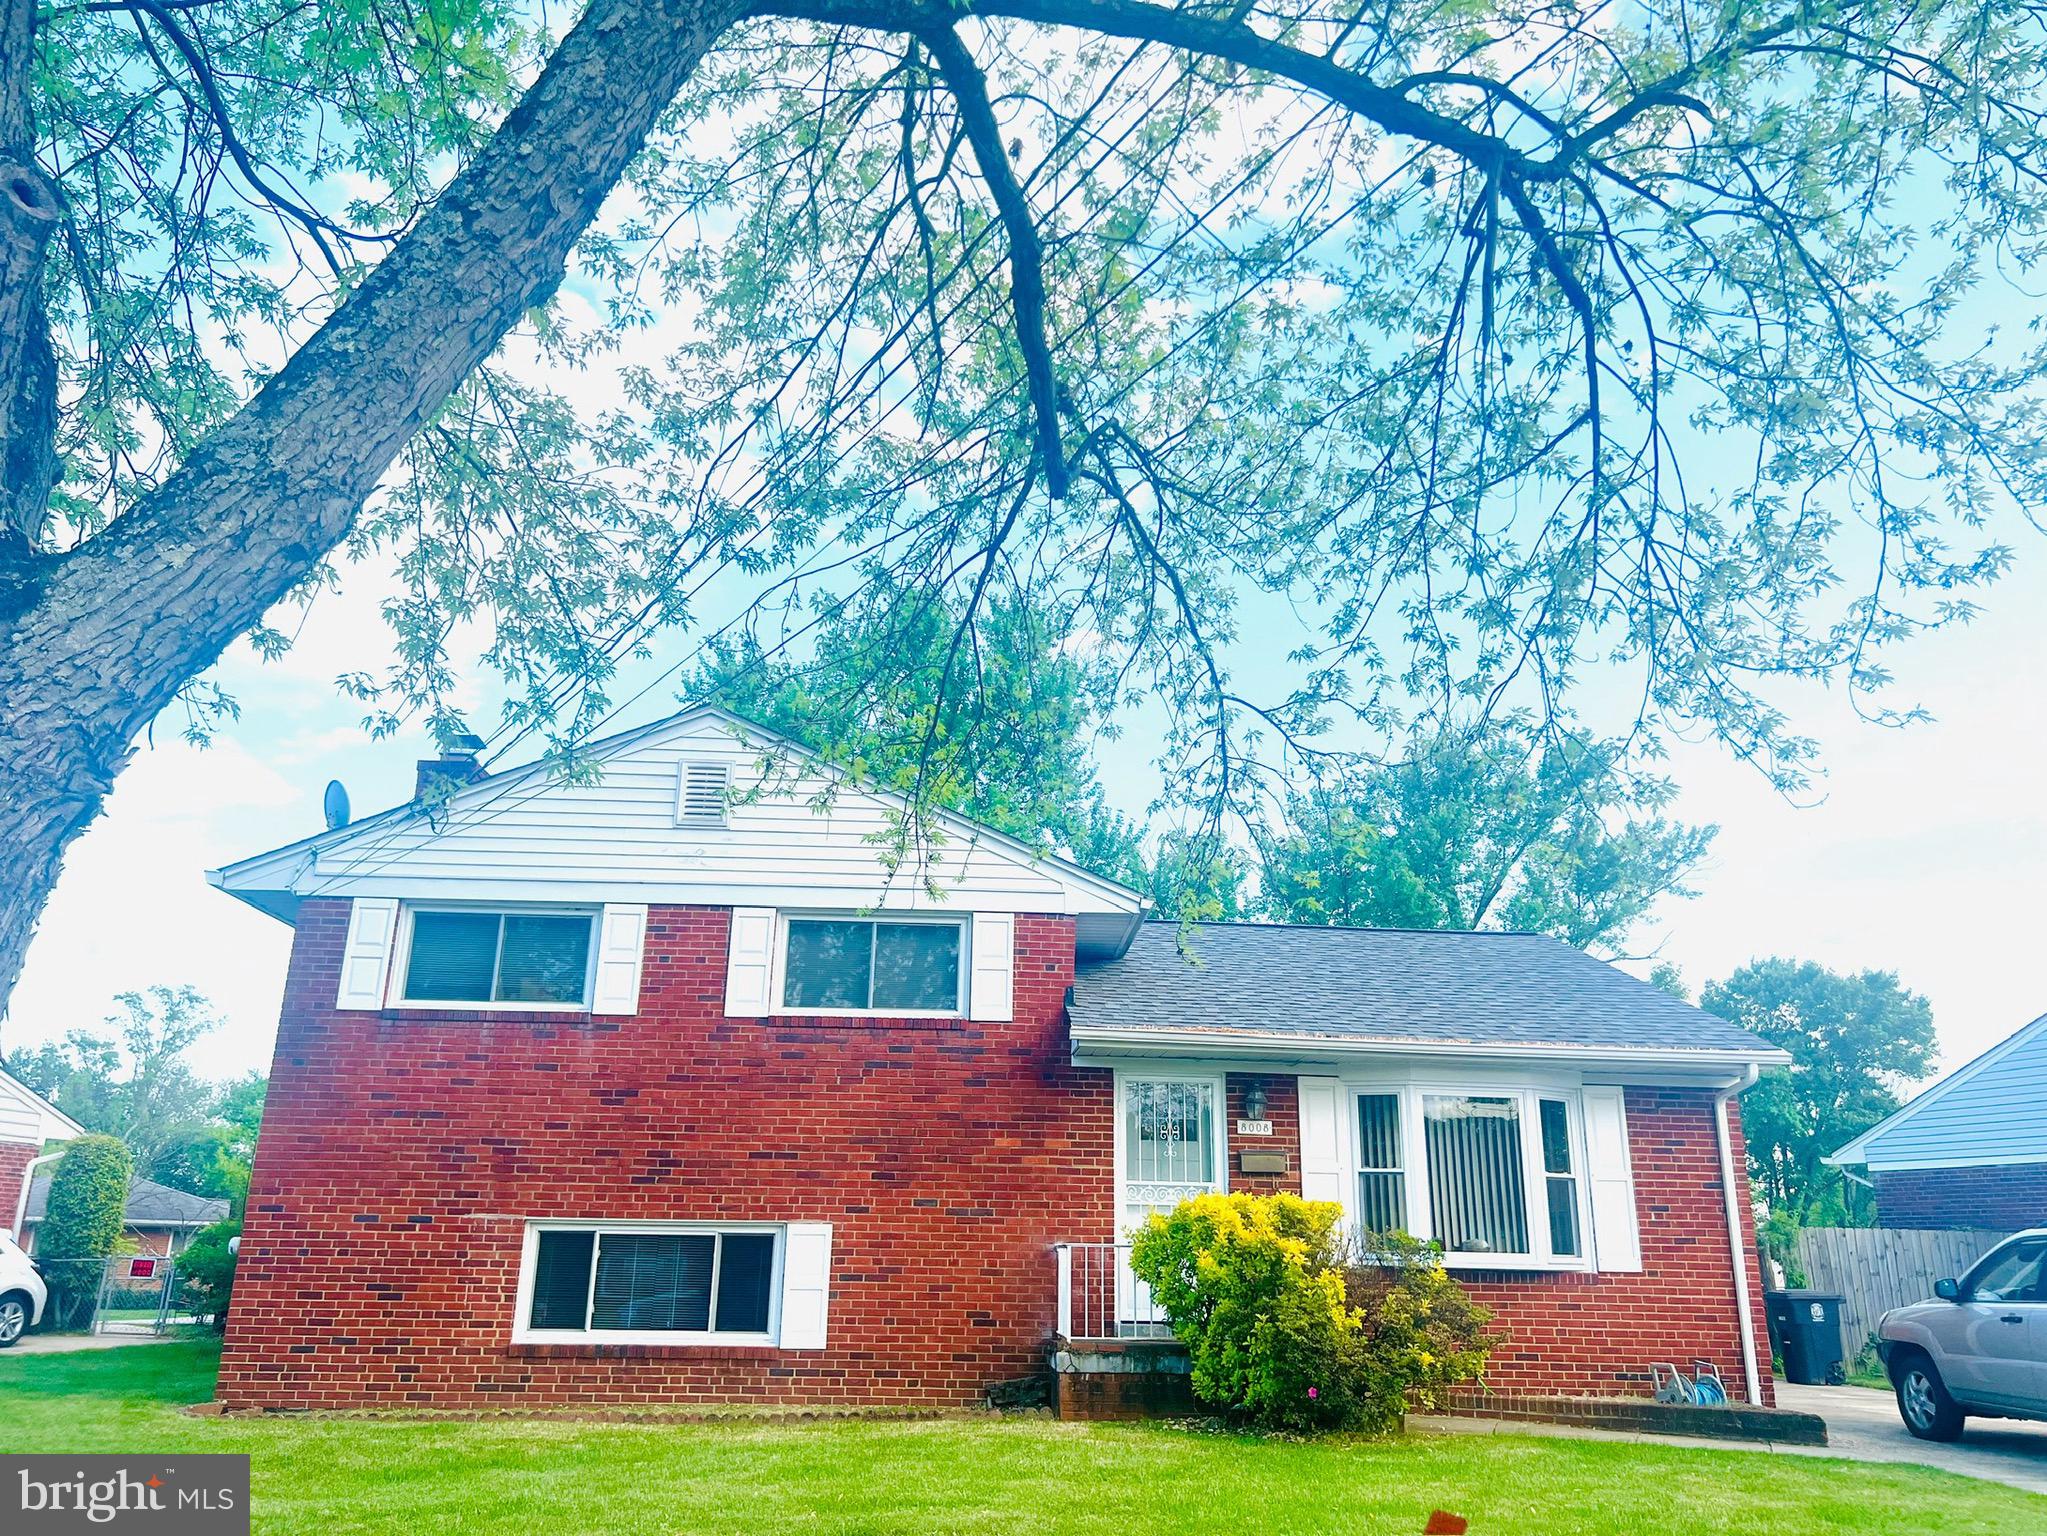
{"x":28,"y":1122}
{"x":157,"y":1219}
{"x":1971,"y":1151}
{"x":660,"y":1088}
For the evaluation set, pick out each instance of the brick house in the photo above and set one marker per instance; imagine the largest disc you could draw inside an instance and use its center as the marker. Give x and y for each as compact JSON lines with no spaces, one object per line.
{"x":1969,"y":1152}
{"x":660,"y":1088}
{"x":28,"y":1122}
{"x":156,"y":1218}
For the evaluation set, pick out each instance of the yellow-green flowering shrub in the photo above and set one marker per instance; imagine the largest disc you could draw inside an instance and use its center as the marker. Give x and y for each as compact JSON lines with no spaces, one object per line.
{"x":1285,"y":1330}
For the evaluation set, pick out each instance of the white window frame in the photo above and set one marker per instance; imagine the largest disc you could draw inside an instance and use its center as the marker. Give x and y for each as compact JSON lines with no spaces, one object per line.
{"x":778,"y":981}
{"x":1534,"y":1177}
{"x":401,"y":958}
{"x":523,"y":1333}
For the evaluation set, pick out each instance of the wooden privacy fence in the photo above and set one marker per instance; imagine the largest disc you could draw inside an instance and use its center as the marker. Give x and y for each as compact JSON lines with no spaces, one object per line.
{"x":1877,"y":1268}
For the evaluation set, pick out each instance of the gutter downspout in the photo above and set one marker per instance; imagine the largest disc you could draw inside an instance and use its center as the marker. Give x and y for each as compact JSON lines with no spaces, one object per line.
{"x":28,"y":1177}
{"x":1735,"y":1248}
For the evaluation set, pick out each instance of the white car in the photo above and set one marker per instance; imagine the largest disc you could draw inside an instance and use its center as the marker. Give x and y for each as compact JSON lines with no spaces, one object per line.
{"x":1979,"y":1347}
{"x":22,"y":1292}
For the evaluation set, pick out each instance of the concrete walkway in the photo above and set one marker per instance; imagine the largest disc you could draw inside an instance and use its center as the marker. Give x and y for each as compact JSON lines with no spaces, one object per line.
{"x":67,"y":1343}
{"x":1862,"y":1425}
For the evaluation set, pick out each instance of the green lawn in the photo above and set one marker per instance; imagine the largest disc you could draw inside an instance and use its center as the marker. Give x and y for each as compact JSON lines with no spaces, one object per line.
{"x":340,"y":1475}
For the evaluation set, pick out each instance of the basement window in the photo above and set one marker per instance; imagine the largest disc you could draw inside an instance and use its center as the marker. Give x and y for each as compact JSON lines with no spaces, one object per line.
{"x":649,"y":1285}
{"x":497,"y":959}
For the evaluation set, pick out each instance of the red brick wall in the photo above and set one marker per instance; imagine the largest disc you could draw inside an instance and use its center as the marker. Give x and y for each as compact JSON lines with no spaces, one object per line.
{"x":2008,"y":1198}
{"x":1283,"y":1109}
{"x":1599,"y":1334}
{"x":14,"y":1160}
{"x":401,"y":1152}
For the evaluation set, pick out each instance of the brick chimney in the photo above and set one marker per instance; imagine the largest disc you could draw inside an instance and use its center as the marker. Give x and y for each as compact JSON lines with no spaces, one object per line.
{"x":456,"y":766}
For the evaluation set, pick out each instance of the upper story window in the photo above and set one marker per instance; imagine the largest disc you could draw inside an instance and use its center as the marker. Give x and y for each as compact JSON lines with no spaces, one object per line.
{"x":491,"y":958}
{"x":871,"y":965}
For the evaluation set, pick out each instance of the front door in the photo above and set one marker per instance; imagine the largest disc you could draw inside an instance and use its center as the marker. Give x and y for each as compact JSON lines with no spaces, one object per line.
{"x":1169,"y":1131}
{"x":1991,"y":1340}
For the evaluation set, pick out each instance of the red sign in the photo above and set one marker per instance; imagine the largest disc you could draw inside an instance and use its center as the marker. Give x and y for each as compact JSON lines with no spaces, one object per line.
{"x":141,"y":1269}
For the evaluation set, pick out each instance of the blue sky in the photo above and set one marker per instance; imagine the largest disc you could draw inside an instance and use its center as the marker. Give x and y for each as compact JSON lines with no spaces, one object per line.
{"x":1922,"y":850}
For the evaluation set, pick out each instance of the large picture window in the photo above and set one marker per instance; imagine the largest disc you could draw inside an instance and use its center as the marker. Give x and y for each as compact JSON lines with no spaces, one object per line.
{"x":498,"y":957}
{"x":590,"y":1282}
{"x":1478,"y":1202}
{"x":1487,"y":1174}
{"x":864,"y":965}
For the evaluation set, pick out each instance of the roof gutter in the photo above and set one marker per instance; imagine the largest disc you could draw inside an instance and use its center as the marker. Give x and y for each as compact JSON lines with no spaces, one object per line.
{"x":1737,"y":1250}
{"x":1184,"y":1042}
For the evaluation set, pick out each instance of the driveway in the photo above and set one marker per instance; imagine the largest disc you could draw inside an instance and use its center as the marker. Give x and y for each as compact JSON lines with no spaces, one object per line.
{"x":1864,"y":1425}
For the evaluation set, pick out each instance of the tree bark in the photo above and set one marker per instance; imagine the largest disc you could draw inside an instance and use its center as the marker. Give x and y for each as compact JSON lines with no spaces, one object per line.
{"x":29,"y":211}
{"x":103,"y":638}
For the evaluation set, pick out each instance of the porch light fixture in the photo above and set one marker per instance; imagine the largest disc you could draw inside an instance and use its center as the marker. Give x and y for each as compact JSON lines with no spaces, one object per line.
{"x":1254,"y":1099}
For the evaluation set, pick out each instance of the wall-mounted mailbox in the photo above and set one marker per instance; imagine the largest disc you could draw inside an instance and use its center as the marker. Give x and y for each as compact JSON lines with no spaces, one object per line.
{"x":1262,"y":1161}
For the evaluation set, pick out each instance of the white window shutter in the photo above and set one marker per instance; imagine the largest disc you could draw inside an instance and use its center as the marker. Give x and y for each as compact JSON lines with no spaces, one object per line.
{"x":1610,"y":1180}
{"x":991,"y":977}
{"x":1321,"y":1139}
{"x":806,"y":1284}
{"x":621,"y":940}
{"x":366,"y":952}
{"x":749,"y":962}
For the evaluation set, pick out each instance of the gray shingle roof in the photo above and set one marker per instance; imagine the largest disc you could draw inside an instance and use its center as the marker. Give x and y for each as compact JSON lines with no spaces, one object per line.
{"x":150,"y":1204}
{"x":1387,"y":984}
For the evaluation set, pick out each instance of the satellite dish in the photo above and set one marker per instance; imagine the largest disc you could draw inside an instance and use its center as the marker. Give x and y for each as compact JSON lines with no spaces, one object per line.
{"x":335,"y":804}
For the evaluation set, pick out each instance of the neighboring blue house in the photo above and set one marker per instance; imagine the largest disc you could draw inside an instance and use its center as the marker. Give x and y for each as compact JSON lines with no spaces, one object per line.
{"x":1971,"y":1151}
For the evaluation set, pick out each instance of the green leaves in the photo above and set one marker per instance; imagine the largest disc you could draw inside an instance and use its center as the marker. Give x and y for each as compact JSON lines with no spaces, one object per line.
{"x":1856,"y":1042}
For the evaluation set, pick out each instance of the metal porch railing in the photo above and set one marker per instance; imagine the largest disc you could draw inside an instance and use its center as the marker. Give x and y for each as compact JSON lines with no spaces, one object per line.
{"x":1099,"y":1298}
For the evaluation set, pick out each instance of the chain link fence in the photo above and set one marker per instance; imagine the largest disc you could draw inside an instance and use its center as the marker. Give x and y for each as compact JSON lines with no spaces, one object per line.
{"x":134,"y":1293}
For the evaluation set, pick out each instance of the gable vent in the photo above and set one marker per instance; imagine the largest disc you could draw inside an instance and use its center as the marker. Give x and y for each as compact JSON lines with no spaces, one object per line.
{"x":700,"y":794}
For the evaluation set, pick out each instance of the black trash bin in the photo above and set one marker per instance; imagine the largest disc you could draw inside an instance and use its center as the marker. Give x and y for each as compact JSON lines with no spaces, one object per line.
{"x":1805,"y":1327}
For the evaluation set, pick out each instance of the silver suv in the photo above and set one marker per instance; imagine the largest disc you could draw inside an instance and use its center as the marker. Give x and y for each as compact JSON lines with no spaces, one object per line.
{"x":1980,"y":1347}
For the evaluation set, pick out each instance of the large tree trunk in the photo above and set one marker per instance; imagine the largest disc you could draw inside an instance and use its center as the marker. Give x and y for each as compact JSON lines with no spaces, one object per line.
{"x":96,"y":643}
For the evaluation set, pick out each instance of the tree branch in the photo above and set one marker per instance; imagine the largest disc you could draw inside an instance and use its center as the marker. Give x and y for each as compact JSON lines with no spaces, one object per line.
{"x":1026,"y":252}
{"x":129,"y":617}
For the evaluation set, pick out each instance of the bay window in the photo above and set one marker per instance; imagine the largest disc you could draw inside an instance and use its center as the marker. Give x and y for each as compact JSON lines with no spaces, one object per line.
{"x":1491,"y":1175}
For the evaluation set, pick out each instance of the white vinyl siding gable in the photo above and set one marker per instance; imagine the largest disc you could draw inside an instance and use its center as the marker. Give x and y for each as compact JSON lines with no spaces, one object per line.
{"x":799,"y":838}
{"x":26,"y":1117}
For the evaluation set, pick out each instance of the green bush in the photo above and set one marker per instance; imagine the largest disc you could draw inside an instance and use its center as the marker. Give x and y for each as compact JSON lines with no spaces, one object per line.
{"x":82,"y":1223}
{"x":1288,"y":1330}
{"x":206,"y":1271}
{"x":82,"y":1218}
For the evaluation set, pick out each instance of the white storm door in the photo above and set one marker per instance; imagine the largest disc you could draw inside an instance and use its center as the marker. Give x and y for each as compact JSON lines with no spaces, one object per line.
{"x":1169,"y":1148}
